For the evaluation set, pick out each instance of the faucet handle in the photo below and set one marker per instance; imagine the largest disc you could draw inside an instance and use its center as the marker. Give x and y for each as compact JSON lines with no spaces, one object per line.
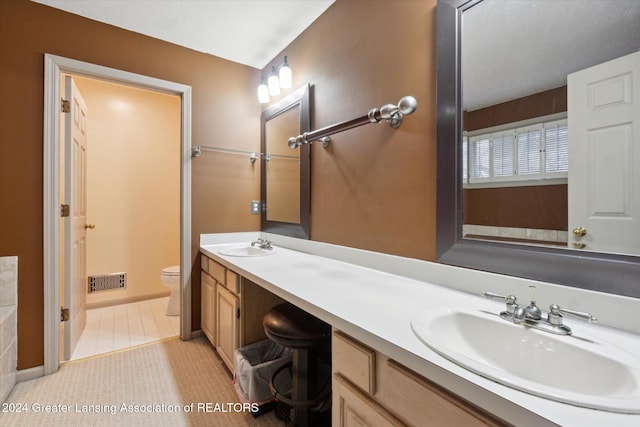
{"x":509,"y":299}
{"x":555,"y":310}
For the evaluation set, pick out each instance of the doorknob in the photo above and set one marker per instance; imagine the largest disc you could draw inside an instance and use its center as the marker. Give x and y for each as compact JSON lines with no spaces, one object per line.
{"x":579,"y":231}
{"x":89,"y":226}
{"x":579,"y":245}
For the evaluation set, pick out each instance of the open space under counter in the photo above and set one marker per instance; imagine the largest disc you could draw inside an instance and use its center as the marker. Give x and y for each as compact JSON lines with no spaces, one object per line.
{"x":372,"y":297}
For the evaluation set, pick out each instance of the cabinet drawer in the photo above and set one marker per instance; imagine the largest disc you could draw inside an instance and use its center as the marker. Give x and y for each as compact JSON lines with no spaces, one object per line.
{"x":204,"y":263}
{"x":217,"y":271}
{"x":354,"y":361}
{"x":416,"y":399}
{"x":233,"y":282}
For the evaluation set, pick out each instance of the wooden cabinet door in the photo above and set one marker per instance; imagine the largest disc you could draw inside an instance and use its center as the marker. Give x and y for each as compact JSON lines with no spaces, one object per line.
{"x":208,"y":307}
{"x":353,"y":408}
{"x":228,"y":332}
{"x":417,"y":400}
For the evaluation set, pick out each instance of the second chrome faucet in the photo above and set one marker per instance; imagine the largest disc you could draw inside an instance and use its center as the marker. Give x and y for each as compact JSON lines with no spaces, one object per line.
{"x":262,"y":244}
{"x":532,"y":316}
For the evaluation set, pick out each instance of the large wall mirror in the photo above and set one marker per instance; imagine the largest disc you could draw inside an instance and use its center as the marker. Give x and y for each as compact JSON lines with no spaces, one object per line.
{"x":538,"y":128}
{"x":286,"y":177}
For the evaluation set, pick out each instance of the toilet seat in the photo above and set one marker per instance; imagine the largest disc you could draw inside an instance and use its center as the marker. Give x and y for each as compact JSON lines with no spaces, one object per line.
{"x":171,"y":271}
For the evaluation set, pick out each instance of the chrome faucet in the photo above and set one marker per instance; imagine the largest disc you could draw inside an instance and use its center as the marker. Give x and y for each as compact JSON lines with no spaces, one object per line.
{"x":531,"y":315}
{"x":262,"y":244}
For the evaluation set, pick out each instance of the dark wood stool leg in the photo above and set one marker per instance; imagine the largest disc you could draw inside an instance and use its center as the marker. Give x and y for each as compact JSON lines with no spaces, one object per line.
{"x":300,"y":391}
{"x":304,"y":385}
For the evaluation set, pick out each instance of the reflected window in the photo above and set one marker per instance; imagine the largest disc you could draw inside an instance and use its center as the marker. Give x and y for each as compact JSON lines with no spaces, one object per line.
{"x":517,"y":152}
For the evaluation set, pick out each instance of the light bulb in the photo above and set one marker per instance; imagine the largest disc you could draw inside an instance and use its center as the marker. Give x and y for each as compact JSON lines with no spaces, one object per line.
{"x":263,"y":93}
{"x":285,"y":75}
{"x":274,"y":83}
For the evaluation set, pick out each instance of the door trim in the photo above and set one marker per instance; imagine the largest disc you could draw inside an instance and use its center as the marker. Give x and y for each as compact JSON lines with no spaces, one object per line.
{"x":54,"y":66}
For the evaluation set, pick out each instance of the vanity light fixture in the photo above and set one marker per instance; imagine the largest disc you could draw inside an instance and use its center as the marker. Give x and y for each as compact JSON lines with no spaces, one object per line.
{"x":274,"y":83}
{"x":263,"y":92}
{"x":279,"y":78}
{"x":284,"y":74}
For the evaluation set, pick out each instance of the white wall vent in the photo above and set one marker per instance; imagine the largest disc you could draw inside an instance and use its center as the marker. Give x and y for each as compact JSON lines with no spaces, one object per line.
{"x":107,"y":282}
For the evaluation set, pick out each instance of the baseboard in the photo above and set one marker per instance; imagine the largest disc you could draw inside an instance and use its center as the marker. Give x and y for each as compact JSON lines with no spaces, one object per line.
{"x":128,"y":300}
{"x":29,"y":374}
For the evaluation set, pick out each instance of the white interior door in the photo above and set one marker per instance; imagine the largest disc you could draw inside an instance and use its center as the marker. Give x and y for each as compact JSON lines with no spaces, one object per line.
{"x":75,"y":238}
{"x":604,"y":153}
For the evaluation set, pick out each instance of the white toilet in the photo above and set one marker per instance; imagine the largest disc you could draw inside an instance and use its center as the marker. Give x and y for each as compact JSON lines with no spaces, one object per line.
{"x":170,"y":277}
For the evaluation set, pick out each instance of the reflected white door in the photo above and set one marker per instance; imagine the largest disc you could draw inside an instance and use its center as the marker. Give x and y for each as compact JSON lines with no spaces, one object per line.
{"x":604,"y":153}
{"x":75,"y":233}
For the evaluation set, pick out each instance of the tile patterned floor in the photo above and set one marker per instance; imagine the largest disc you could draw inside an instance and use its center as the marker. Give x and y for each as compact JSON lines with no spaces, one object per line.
{"x":121,"y":326}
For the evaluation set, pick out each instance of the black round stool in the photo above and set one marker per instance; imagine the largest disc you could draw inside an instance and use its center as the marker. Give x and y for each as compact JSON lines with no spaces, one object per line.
{"x":292,"y":327}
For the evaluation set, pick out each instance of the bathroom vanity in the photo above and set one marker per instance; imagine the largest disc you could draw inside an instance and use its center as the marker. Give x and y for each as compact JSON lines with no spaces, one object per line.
{"x":383,"y":374}
{"x":232,"y":308}
{"x":369,"y":388}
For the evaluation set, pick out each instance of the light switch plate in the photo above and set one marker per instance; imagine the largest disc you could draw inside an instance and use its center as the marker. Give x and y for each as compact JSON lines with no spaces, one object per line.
{"x":255,"y":207}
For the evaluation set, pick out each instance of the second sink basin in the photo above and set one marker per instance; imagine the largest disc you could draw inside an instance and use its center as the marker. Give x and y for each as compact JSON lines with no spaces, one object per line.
{"x":246,"y":251}
{"x":577,"y":369}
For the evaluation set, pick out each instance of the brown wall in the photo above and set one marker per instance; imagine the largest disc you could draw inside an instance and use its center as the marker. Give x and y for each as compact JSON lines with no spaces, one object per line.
{"x":541,"y":207}
{"x":537,"y":105}
{"x":538,"y":206}
{"x":221,"y":90}
{"x":374,"y":188}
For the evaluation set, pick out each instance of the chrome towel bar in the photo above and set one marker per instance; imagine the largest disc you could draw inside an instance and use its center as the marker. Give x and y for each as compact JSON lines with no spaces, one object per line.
{"x":393,"y":114}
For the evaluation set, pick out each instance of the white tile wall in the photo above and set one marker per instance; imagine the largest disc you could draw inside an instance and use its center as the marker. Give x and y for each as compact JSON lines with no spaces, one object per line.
{"x":8,"y":324}
{"x":516,"y":233}
{"x":8,"y":281}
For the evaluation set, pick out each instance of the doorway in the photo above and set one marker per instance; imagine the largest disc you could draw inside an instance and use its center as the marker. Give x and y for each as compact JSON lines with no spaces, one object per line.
{"x":131,"y":175}
{"x":55,"y":66}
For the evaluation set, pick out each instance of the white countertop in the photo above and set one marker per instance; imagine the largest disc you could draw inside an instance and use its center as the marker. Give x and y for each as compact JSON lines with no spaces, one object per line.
{"x":376,"y":305}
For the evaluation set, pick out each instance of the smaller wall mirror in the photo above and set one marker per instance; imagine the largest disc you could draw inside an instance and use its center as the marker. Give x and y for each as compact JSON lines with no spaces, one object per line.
{"x":286,"y":177}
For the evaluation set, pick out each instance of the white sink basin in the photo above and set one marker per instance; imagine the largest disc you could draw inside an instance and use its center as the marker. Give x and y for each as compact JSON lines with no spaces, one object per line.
{"x":576,"y":369}
{"x":246,"y":251}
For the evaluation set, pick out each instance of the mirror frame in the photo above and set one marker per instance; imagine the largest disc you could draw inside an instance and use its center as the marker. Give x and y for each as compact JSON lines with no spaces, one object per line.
{"x":616,"y":274}
{"x":302,"y":98}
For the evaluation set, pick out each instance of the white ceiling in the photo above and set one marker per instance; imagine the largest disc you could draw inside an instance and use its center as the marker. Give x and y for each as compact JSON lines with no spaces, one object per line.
{"x":514,"y":48}
{"x":251,"y":32}
{"x":511,"y":48}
